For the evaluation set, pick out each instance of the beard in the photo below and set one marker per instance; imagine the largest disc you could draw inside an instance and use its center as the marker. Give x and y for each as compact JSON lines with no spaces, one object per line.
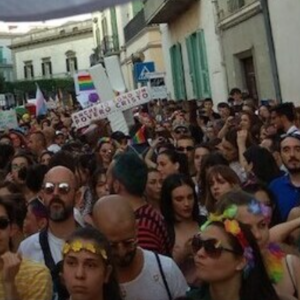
{"x":125,"y":261}
{"x":294,"y":171}
{"x":61,"y":214}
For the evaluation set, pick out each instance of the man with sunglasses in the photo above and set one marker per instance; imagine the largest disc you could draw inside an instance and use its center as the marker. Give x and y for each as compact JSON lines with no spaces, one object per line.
{"x":142,"y":274}
{"x":59,"y":193}
{"x":186,"y":145}
{"x":180,"y":128}
{"x":21,"y":278}
{"x":287,"y":187}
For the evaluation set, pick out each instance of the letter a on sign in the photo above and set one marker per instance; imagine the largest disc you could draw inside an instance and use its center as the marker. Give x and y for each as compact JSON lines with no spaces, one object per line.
{"x":142,"y":70}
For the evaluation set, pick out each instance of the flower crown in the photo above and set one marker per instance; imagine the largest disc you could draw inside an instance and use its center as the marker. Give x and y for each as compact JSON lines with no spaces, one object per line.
{"x":257,"y":208}
{"x":77,"y":246}
{"x":232,"y":226}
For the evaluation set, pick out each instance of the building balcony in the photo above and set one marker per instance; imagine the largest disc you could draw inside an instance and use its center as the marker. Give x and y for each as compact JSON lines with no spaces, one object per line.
{"x":235,"y":5}
{"x":165,"y":11}
{"x":135,"y":26}
{"x":109,"y":46}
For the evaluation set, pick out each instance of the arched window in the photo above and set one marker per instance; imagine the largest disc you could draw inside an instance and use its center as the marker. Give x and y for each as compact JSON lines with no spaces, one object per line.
{"x":71,"y":62}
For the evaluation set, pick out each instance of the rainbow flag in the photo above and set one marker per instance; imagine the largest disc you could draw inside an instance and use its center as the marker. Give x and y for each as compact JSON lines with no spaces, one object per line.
{"x":140,"y":136}
{"x":85,"y":83}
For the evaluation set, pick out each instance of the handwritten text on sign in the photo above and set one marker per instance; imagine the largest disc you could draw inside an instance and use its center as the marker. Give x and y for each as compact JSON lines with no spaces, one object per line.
{"x":121,"y":103}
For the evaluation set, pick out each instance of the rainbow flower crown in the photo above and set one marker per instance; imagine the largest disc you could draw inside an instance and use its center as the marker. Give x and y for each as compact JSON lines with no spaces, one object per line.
{"x":77,"y":246}
{"x":232,"y":227}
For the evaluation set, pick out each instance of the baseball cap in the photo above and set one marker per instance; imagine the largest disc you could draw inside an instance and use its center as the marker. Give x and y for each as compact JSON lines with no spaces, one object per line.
{"x":119,"y":136}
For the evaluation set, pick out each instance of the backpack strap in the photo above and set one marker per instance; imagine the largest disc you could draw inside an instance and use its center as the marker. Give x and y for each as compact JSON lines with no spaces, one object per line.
{"x":163,"y":276}
{"x":49,"y":261}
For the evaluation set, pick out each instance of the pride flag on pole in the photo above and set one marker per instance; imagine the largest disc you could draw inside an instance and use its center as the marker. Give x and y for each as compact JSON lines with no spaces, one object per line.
{"x":140,"y":136}
{"x":41,"y":107}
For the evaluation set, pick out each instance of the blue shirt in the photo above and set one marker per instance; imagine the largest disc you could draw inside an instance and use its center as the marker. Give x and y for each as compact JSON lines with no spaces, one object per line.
{"x":287,"y":195}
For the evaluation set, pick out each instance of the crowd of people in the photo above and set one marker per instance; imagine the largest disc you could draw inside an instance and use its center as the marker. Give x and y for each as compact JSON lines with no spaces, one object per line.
{"x":205,"y":206}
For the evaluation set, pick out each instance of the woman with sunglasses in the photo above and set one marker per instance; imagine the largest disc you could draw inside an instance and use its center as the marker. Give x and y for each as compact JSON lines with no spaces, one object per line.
{"x":283,"y":270}
{"x":179,"y":207}
{"x":229,"y":263}
{"x":88,"y":270}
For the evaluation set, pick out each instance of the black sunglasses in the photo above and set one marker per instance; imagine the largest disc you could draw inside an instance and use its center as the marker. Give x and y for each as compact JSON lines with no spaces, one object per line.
{"x":212,"y":247}
{"x":188,"y":148}
{"x":4,"y":223}
{"x":63,"y":188}
{"x":181,"y":130}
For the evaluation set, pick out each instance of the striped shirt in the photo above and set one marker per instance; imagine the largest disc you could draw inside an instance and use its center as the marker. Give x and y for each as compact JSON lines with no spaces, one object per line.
{"x":33,"y":282}
{"x":152,"y":231}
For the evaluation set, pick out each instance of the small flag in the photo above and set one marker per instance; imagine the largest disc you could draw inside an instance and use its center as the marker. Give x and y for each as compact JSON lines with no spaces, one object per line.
{"x":140,"y":136}
{"x":41,"y":107}
{"x":85,"y":83}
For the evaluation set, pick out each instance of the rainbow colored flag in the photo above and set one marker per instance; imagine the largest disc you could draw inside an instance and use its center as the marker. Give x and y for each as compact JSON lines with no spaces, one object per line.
{"x":85,"y":83}
{"x":140,"y":136}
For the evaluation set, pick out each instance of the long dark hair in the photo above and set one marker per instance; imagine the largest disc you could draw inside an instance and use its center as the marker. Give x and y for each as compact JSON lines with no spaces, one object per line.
{"x":265,"y":167}
{"x":166,"y":205}
{"x":180,"y":158}
{"x":111,"y":289}
{"x":209,"y":160}
{"x":227,"y":174}
{"x":257,"y":284}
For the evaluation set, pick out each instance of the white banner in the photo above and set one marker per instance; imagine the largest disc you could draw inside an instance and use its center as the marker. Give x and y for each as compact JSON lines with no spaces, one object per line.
{"x":106,"y":93}
{"x":8,"y":119}
{"x":103,"y":110}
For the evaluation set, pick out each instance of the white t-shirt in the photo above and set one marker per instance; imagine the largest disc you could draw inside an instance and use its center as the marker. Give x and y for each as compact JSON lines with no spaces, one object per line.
{"x":149,"y":285}
{"x":31,"y":248}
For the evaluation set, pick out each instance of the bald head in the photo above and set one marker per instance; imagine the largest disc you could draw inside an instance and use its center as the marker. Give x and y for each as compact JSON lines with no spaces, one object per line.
{"x":64,"y":172}
{"x":112,"y":214}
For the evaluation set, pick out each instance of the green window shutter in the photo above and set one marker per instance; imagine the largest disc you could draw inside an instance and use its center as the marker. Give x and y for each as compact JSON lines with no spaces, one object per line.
{"x":114,"y":26}
{"x":1,"y":54}
{"x":178,"y":72}
{"x":204,"y":73}
{"x":192,"y":64}
{"x":137,"y":6}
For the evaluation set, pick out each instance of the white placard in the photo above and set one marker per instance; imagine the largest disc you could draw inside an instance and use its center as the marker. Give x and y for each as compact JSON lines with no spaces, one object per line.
{"x":103,"y":110}
{"x":8,"y":119}
{"x":106,"y":93}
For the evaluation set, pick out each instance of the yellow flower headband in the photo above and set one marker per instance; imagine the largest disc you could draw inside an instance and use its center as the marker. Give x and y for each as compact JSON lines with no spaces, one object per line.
{"x":77,"y":246}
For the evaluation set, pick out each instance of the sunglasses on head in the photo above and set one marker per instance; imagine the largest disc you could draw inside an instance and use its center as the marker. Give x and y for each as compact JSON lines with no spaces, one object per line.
{"x":212,"y":247}
{"x":4,"y":223}
{"x":63,"y":188}
{"x":188,"y":148}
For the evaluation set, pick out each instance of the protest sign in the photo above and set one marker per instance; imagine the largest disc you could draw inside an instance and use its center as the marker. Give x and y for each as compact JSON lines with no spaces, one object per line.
{"x":85,"y":89}
{"x":105,"y":90}
{"x":116,"y":78}
{"x":103,"y":110}
{"x":8,"y":119}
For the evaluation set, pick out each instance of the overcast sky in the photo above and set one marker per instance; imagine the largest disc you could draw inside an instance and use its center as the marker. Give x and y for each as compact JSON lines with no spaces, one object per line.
{"x":24,"y":27}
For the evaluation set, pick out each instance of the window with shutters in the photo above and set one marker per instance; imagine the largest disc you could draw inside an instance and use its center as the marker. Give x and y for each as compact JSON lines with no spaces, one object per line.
{"x":46,"y":67}
{"x":178,"y":72}
{"x":71,"y":62}
{"x":28,"y":70}
{"x":198,"y":64}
